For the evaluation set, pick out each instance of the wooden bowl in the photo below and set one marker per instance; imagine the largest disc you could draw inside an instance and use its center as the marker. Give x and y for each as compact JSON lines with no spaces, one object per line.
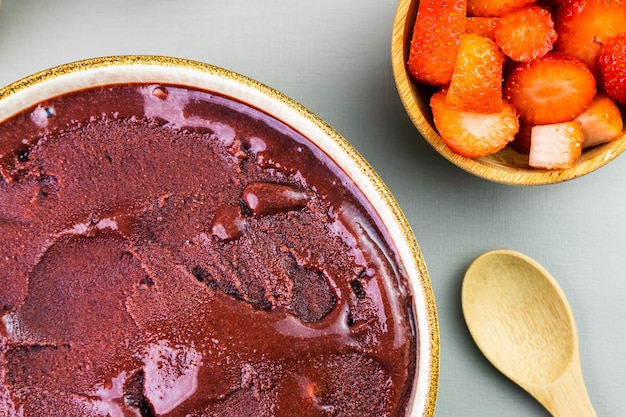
{"x":506,"y":166}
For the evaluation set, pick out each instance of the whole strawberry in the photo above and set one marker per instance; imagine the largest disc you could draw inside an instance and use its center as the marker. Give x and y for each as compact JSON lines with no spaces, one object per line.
{"x":611,"y":65}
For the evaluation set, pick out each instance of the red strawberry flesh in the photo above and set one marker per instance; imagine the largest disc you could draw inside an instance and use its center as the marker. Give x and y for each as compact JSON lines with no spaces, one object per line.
{"x":552,"y":89}
{"x":473,"y":134}
{"x":526,"y":34}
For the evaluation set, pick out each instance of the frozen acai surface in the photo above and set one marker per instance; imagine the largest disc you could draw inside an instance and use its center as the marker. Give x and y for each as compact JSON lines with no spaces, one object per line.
{"x":170,"y":252}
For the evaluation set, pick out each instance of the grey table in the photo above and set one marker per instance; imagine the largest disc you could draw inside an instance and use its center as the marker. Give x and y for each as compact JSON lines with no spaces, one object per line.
{"x":333,"y":56}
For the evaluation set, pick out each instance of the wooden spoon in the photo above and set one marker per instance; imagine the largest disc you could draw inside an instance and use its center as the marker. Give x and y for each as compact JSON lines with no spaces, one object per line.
{"x":522,"y":322}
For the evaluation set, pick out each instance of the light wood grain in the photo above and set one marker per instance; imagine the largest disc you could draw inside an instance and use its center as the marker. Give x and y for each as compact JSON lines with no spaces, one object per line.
{"x":506,"y":166}
{"x":522,"y":322}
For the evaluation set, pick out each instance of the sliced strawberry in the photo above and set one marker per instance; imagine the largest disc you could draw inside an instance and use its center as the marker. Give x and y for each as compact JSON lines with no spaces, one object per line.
{"x":435,"y":42}
{"x":583,"y":25}
{"x":482,"y":26}
{"x":611,"y":67}
{"x":521,"y":143}
{"x":494,"y":8}
{"x":602,"y":122}
{"x":552,"y":89}
{"x":550,"y":5}
{"x":476,"y":83}
{"x":555,"y":146}
{"x":472,"y":134}
{"x":525,"y":34}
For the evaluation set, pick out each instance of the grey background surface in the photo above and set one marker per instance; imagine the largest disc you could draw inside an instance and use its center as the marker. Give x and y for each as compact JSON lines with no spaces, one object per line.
{"x":333,"y":56}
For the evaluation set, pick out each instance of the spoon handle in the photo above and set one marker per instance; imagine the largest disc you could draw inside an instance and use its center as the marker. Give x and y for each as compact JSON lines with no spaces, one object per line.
{"x":567,"y":397}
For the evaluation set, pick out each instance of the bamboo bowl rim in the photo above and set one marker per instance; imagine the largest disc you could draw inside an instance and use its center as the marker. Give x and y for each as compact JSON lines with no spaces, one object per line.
{"x":506,"y":166}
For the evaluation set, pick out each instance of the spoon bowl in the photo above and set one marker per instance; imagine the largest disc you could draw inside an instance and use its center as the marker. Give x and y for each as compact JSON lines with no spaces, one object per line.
{"x":521,"y":321}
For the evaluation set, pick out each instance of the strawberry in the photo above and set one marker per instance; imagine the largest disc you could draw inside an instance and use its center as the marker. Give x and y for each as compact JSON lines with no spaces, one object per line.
{"x":555,"y":146}
{"x":494,"y":8}
{"x":472,"y":134}
{"x":521,"y":143}
{"x":602,"y":121}
{"x":482,"y":26}
{"x":550,"y":5}
{"x":476,"y":83}
{"x":611,"y":67}
{"x":551,"y":89}
{"x":526,"y":33}
{"x":583,"y":25}
{"x":437,"y":32}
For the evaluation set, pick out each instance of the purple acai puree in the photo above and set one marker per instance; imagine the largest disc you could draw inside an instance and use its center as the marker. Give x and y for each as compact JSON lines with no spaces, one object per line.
{"x":167,"y":251}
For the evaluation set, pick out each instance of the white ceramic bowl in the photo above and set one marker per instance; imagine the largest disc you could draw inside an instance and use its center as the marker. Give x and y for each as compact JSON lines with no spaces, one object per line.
{"x":150,"y":69}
